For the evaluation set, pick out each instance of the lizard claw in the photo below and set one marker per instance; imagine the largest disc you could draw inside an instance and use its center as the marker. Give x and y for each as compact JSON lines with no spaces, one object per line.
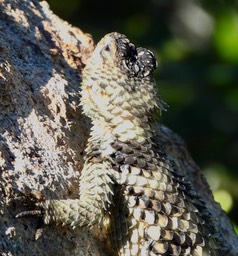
{"x":37,"y":213}
{"x":40,"y":225}
{"x":31,"y":200}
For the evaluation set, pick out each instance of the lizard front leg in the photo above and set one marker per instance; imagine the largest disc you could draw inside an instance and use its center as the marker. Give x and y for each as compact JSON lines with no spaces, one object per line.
{"x":96,"y":191}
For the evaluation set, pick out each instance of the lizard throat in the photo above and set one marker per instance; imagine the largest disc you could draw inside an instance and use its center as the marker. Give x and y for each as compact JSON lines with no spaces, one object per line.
{"x":125,"y":131}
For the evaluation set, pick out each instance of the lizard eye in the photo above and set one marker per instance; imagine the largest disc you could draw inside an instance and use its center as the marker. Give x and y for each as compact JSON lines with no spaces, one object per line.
{"x":107,"y":48}
{"x":106,"y":51}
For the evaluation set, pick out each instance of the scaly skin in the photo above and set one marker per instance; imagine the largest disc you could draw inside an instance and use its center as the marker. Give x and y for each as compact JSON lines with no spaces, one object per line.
{"x":128,"y":185}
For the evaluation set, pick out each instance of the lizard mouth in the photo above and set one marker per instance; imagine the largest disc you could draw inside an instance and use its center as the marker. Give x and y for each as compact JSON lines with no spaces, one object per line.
{"x":137,"y":61}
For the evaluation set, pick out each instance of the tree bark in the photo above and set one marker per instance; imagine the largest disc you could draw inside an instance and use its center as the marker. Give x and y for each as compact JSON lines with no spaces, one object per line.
{"x":43,"y":133}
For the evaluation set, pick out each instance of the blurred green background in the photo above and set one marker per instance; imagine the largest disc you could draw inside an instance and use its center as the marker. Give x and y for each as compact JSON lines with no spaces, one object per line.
{"x":196,"y":44}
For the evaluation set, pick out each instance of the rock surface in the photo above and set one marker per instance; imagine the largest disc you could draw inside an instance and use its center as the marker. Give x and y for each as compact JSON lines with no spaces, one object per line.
{"x":43,"y":133}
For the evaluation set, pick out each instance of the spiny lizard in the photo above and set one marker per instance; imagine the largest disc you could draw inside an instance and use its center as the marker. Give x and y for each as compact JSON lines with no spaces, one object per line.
{"x":128,"y":187}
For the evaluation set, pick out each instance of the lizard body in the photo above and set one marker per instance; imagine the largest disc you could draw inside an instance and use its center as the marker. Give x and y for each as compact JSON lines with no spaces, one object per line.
{"x":128,"y":186}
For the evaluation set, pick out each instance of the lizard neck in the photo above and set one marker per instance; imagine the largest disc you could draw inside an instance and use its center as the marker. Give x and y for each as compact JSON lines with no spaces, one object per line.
{"x":121,"y":110}
{"x":135,"y":130}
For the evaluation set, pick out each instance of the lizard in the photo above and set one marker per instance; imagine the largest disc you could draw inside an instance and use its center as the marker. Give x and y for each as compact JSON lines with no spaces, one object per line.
{"x":128,"y":186}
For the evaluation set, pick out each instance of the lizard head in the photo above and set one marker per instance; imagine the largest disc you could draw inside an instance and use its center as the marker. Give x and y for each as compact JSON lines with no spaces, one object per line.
{"x":116,"y":50}
{"x":119,"y":74}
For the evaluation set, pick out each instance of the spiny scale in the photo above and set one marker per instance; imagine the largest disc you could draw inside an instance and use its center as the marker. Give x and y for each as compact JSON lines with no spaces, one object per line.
{"x":150,"y":208}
